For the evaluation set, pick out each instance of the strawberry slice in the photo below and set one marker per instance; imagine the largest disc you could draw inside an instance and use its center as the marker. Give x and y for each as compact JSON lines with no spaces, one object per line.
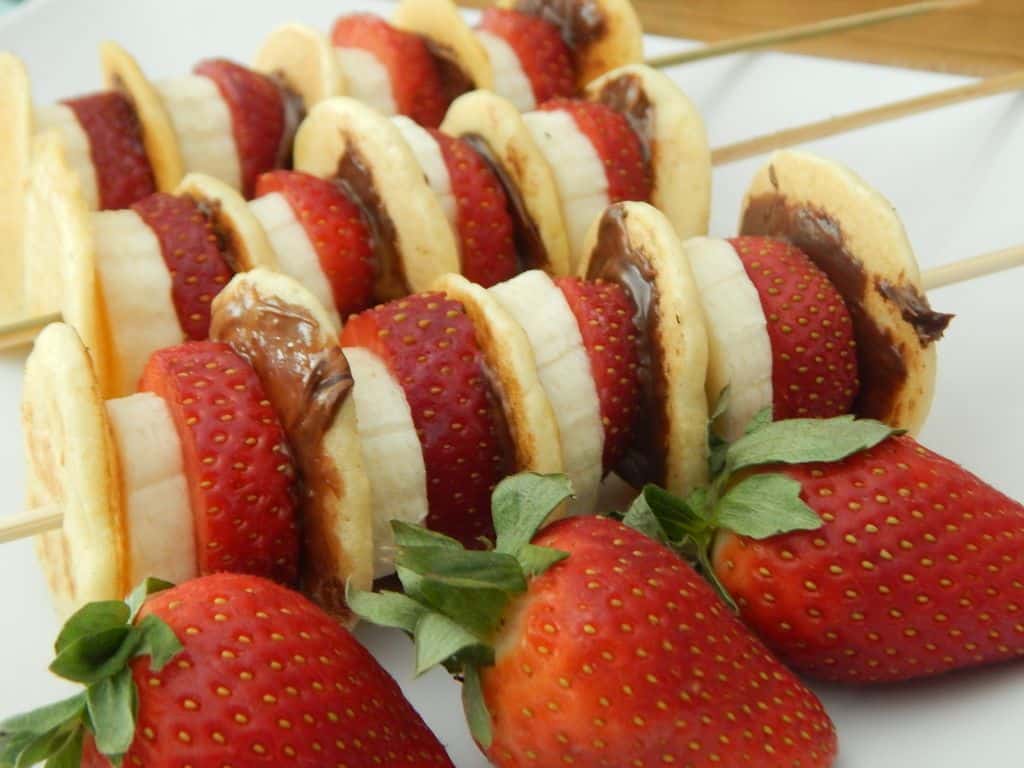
{"x":415,"y":80}
{"x":814,"y":354}
{"x":605,"y":314}
{"x":239,"y":468}
{"x":616,"y":143}
{"x":123,"y":172}
{"x":336,"y":228}
{"x":257,"y":116}
{"x":191,"y":249}
{"x":543,"y":54}
{"x":429,"y":346}
{"x":485,"y":227}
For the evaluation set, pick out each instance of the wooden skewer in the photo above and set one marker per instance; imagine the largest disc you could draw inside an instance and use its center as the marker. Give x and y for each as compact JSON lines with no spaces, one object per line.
{"x":21,"y":332}
{"x":50,"y":518}
{"x":731,"y":153}
{"x":816,"y":29}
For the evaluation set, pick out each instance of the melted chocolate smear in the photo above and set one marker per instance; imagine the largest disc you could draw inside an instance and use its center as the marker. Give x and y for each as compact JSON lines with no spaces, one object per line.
{"x":616,"y":260}
{"x":929,"y":324}
{"x":211,"y":211}
{"x":625,"y":94}
{"x":580,"y":22}
{"x":879,"y":358}
{"x":294,"y":112}
{"x":530,"y":250}
{"x":454,"y":79}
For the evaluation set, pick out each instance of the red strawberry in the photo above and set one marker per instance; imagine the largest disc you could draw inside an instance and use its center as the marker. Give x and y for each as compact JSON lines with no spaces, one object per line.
{"x":545,"y":58}
{"x":616,"y":143}
{"x":415,"y":80}
{"x":485,"y":228}
{"x":240,"y":471}
{"x":917,"y":569}
{"x":257,"y":116}
{"x":337,"y":230}
{"x":603,"y":648}
{"x":230,"y":670}
{"x":814,"y":355}
{"x":606,"y":317}
{"x":123,"y":172}
{"x":191,"y":248}
{"x":429,"y":346}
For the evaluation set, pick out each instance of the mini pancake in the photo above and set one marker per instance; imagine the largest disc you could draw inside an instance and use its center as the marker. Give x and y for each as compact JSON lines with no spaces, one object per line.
{"x":122,"y":73}
{"x":672,"y":133}
{"x":495,"y":126}
{"x":61,"y":275}
{"x":291,"y":342}
{"x":305,"y":59}
{"x":246,"y":241}
{"x":854,"y":235}
{"x":448,"y":36}
{"x":72,"y":466}
{"x":348,"y":141}
{"x":602,"y":34}
{"x":15,"y":149}
{"x":510,"y":360}
{"x":634,"y":245}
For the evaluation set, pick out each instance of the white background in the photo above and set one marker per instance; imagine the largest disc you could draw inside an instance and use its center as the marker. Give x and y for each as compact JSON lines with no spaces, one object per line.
{"x":956,"y":177}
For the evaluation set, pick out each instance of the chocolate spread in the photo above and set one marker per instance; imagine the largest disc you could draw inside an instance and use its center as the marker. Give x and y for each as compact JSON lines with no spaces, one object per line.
{"x":530,"y":249}
{"x":454,"y":79}
{"x":625,"y":94}
{"x":356,"y":179}
{"x":580,"y":22}
{"x":879,"y":359}
{"x":307,"y":384}
{"x":617,"y":260}
{"x":227,"y":238}
{"x":294,"y":112}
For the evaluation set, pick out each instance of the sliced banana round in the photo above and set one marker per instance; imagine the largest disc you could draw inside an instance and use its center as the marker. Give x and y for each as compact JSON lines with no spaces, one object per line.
{"x":289,"y":339}
{"x":563,"y":367}
{"x":122,"y":73}
{"x":449,"y":37}
{"x":346,"y":140}
{"x":305,"y":60}
{"x":510,"y":361}
{"x":602,"y":34}
{"x":633,"y":244}
{"x":672,"y":133}
{"x":496,"y":129}
{"x":15,"y":148}
{"x":739,"y":348}
{"x":72,"y":467}
{"x":855,"y":236}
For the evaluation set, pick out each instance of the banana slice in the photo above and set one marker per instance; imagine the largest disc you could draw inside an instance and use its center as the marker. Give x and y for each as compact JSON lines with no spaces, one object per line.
{"x":367,"y":79}
{"x":347,"y":141}
{"x":634,"y":245}
{"x":673,"y":134}
{"x":15,"y":148}
{"x":291,"y":342}
{"x":563,"y":366}
{"x":72,"y":466}
{"x":202,"y":124}
{"x":496,"y":129}
{"x":77,"y":150}
{"x":578,"y":171}
{"x":428,"y":153}
{"x":305,"y":60}
{"x":157,"y":514}
{"x":855,"y":236}
{"x":739,"y":348}
{"x":392,"y":453}
{"x":510,"y":80}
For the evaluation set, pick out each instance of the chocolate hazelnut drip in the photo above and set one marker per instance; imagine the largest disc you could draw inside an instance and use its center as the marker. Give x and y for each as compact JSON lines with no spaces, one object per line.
{"x":580,"y":22}
{"x":531,"y":252}
{"x":356,"y":179}
{"x":226,"y":237}
{"x":307,"y":382}
{"x":625,"y":94}
{"x":455,"y":81}
{"x":880,"y":362}
{"x":294,"y":110}
{"x":617,"y":260}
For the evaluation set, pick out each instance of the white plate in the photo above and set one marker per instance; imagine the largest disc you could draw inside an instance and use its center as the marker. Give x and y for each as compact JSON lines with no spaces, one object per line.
{"x":956,"y":177}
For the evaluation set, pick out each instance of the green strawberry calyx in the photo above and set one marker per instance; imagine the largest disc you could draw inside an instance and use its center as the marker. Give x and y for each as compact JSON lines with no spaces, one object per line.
{"x":743,"y":497}
{"x":94,"y":648}
{"x":455,"y":599}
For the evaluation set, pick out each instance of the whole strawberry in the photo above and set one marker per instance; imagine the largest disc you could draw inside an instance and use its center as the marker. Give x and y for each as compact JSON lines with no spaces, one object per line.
{"x":592,"y":645}
{"x":222,"y":670}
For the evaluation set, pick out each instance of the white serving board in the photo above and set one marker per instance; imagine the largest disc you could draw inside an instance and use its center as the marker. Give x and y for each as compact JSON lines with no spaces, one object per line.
{"x":956,"y":177}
